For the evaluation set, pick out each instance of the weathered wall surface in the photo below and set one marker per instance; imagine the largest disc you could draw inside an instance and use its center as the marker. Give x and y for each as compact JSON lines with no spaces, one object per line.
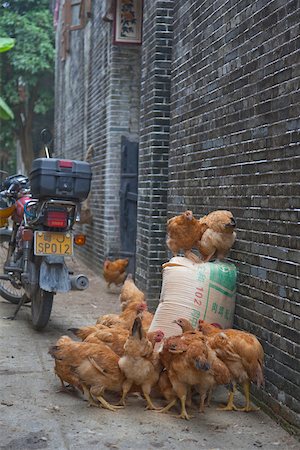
{"x":234,"y":144}
{"x":97,"y":101}
{"x":154,"y":145}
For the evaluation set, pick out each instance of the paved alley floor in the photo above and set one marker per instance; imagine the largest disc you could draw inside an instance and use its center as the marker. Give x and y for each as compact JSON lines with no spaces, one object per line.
{"x":33,"y":415}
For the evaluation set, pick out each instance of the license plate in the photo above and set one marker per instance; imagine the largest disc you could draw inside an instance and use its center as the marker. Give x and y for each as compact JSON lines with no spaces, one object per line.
{"x":51,"y":243}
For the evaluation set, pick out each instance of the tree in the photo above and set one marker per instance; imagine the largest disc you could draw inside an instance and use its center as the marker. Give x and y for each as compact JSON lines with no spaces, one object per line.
{"x":27,"y":70}
{"x":5,"y":111}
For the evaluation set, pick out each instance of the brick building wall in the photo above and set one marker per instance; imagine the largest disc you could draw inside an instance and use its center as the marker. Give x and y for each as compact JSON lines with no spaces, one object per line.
{"x":219,"y":129}
{"x":154,"y":145}
{"x":97,"y":101}
{"x":234,"y":144}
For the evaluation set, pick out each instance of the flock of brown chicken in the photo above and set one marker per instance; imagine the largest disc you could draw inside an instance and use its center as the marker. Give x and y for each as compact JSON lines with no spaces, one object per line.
{"x":119,"y":355}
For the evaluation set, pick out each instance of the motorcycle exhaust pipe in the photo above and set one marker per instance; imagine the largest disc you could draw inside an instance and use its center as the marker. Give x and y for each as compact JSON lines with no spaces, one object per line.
{"x":79,"y":282}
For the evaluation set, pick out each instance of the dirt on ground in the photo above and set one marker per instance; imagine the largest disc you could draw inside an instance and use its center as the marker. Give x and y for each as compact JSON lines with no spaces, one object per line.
{"x":34,"y":415}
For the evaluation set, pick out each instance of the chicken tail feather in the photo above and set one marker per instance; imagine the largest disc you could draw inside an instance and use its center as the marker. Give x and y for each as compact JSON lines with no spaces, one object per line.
{"x":137,"y":328}
{"x":260,"y":381}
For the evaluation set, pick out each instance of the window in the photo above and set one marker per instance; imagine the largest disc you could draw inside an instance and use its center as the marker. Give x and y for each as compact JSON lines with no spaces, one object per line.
{"x":75,"y":14}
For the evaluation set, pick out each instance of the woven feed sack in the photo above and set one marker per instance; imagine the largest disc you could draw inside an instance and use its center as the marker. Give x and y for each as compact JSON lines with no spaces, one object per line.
{"x":195,"y":291}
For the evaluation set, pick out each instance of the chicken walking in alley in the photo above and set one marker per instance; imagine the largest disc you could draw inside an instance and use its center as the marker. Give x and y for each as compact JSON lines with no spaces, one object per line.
{"x":114,"y":271}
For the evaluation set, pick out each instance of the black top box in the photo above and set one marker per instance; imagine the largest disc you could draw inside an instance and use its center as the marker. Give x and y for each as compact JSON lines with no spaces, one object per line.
{"x":60,"y":179}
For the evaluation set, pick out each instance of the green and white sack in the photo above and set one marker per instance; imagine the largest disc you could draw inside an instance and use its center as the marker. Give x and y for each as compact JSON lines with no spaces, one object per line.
{"x":195,"y":291}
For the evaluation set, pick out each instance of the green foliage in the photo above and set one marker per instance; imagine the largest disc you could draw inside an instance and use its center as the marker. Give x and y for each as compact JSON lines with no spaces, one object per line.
{"x":24,"y":6}
{"x":5,"y":111}
{"x":6,"y":44}
{"x":34,"y":50}
{"x":27,"y":70}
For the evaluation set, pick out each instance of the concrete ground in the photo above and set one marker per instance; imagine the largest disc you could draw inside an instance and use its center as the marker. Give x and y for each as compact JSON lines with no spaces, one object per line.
{"x":33,"y":415}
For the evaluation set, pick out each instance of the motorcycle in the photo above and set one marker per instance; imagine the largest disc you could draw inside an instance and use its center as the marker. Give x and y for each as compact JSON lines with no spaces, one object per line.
{"x":43,"y":211}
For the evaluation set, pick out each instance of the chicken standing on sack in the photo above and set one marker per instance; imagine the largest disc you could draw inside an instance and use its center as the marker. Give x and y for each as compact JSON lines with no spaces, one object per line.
{"x":114,"y":271}
{"x":213,"y":235}
{"x":218,"y":236}
{"x":184,"y":233}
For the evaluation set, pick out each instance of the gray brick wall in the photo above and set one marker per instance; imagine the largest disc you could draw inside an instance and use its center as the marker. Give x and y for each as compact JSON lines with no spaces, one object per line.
{"x":154,"y":145}
{"x":234,"y":144}
{"x":219,"y":129}
{"x":97,"y":101}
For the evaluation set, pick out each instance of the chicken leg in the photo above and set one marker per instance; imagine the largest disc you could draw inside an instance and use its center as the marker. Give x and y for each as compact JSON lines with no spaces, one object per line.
{"x":87,"y":394}
{"x":125,"y":389}
{"x":108,"y":405}
{"x":150,"y":404}
{"x":230,"y":405}
{"x":202,"y":402}
{"x":248,"y":407}
{"x":184,"y":414}
{"x":168,"y":406}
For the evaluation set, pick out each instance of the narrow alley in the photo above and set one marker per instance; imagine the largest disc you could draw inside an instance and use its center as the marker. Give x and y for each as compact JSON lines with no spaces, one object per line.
{"x":34,"y":415}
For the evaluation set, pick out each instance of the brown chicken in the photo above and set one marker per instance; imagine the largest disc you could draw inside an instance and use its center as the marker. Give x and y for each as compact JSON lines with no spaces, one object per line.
{"x":140,"y":365}
{"x":116,"y":338}
{"x":129,"y":314}
{"x":165,"y":389}
{"x":130,"y":293}
{"x":184,"y":324}
{"x":155,"y":336}
{"x":243,"y":355}
{"x":147,"y":318}
{"x":184,"y":233}
{"x":110,"y":320}
{"x":100,"y":373}
{"x":219,"y":374}
{"x":218,"y":235}
{"x":125,"y":319}
{"x":208,"y":329}
{"x":84,"y":332}
{"x":61,"y":369}
{"x":113,"y":338}
{"x":77,"y":362}
{"x":186,"y":364}
{"x":114,"y":271}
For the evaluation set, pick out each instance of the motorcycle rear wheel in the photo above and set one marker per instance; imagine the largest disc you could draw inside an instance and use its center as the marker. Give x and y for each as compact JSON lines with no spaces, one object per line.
{"x":41,"y":307}
{"x":7,"y":290}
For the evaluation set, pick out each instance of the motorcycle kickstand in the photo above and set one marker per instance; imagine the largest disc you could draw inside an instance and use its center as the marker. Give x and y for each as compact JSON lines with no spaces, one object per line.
{"x":21,"y":303}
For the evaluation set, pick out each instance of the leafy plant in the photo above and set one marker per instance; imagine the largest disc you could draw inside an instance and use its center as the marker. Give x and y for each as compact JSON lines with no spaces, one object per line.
{"x":5,"y":111}
{"x":27,"y":72}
